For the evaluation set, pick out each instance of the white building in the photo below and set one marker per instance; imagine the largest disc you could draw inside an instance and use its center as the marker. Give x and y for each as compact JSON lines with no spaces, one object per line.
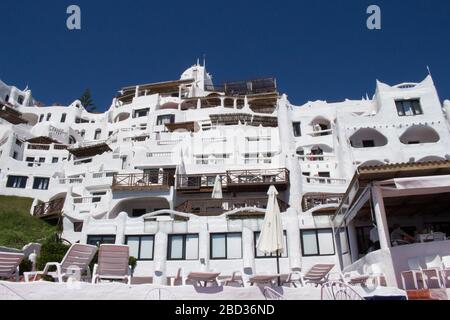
{"x":142,"y":172}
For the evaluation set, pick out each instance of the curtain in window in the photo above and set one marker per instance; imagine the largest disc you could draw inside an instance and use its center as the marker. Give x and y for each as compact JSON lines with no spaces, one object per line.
{"x":133,"y":244}
{"x":176,"y":247}
{"x":191,"y":247}
{"x":234,"y":246}
{"x":218,"y":246}
{"x":310,"y":243}
{"x":146,"y":248}
{"x":325,"y":242}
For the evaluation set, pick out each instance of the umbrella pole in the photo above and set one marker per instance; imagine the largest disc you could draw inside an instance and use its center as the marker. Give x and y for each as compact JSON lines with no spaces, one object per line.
{"x":278,"y":268}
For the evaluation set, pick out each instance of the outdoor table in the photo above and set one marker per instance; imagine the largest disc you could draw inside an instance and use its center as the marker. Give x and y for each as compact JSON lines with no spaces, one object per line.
{"x":263,"y":279}
{"x":205,"y":277}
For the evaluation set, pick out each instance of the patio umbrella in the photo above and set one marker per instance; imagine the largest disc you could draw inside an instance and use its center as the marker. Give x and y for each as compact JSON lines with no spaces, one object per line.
{"x":271,"y":238}
{"x":217,"y":191}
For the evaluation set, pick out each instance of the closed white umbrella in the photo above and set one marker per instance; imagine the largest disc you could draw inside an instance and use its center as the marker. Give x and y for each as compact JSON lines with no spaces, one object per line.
{"x":217,"y":191}
{"x":271,"y":238}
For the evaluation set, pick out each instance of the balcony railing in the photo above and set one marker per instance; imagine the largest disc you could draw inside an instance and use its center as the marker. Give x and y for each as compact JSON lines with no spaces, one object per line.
{"x":51,"y":208}
{"x":216,"y":207}
{"x":324,"y":180}
{"x":246,"y":179}
{"x":311,"y":201}
{"x":141,"y":181}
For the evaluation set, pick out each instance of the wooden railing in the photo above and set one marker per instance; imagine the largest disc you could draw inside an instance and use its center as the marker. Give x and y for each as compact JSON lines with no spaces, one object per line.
{"x":50,"y":208}
{"x":141,"y":181}
{"x":234,"y":179}
{"x":215,"y":207}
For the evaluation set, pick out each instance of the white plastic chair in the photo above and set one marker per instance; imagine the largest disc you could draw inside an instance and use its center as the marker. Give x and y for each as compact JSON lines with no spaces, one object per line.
{"x":336,"y":290}
{"x":434,"y":270}
{"x":415,"y":271}
{"x":271,"y":294}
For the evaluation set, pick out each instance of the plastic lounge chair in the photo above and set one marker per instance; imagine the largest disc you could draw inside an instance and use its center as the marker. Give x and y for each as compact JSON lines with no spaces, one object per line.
{"x":77,"y":259}
{"x":271,"y":294}
{"x":433,"y":272}
{"x":317,"y":275}
{"x":179,"y":279}
{"x":336,"y":290}
{"x":293,"y":278}
{"x":236,"y":279}
{"x":112,"y":264}
{"x":415,"y":271}
{"x":9,"y":265}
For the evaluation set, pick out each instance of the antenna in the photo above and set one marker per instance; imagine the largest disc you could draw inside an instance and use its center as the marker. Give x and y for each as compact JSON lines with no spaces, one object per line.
{"x":429,"y":71}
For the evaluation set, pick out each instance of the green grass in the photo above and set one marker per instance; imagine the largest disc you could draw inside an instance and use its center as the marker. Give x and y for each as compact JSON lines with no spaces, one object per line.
{"x":17,"y":226}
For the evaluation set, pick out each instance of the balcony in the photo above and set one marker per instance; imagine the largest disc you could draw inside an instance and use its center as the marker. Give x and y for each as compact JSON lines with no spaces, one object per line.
{"x":49,"y":209}
{"x":312,"y":200}
{"x":141,"y":181}
{"x":217,"y":207}
{"x":240,"y":180}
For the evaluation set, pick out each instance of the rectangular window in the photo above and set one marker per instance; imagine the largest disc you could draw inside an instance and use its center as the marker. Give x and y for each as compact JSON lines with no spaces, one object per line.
{"x":162,"y":120}
{"x":226,"y":246}
{"x":63,"y":118}
{"x":15,"y":155}
{"x":55,"y":160}
{"x":183,"y":247}
{"x":259,"y":254}
{"x":97,"y":134}
{"x":141,"y":247}
{"x":41,"y":160}
{"x":368,"y":143}
{"x":317,"y":242}
{"x":97,"y":240}
{"x":297,"y":129}
{"x":141,"y":113}
{"x":17,"y":182}
{"x":20,"y":99}
{"x":138,"y":212}
{"x":41,"y":183}
{"x":410,"y":107}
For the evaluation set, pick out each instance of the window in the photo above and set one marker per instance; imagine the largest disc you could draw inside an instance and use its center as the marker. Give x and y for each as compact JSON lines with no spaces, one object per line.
{"x":41,"y":118}
{"x":138,"y":212}
{"x":317,"y":242}
{"x":97,"y":134}
{"x":18,"y":142}
{"x":259,"y":254}
{"x":82,"y":133}
{"x":55,"y":160}
{"x":344,"y":240}
{"x":49,"y":116}
{"x":183,"y":247}
{"x":226,"y":246}
{"x":41,"y":160}
{"x":141,"y":247}
{"x":110,"y":134}
{"x":63,"y":117}
{"x":297,"y":129}
{"x":162,"y":120}
{"x":30,"y":161}
{"x":18,"y":182}
{"x":97,"y":240}
{"x":41,"y":183}
{"x":15,"y":155}
{"x":78,"y":227}
{"x":141,"y":113}
{"x":20,"y":99}
{"x":410,"y":107}
{"x":368,"y":143}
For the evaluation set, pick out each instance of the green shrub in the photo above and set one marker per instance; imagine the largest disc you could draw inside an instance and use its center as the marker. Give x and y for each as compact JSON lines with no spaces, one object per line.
{"x":25,"y":266}
{"x":52,"y":250}
{"x":132,"y":262}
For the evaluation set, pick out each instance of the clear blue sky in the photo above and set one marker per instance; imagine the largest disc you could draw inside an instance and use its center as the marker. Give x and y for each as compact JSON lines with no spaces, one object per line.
{"x":316,"y":49}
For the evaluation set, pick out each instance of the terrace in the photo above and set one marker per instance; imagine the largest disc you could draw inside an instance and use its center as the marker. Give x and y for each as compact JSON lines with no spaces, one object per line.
{"x":217,"y":207}
{"x":49,"y":209}
{"x":236,"y":180}
{"x":141,"y":181}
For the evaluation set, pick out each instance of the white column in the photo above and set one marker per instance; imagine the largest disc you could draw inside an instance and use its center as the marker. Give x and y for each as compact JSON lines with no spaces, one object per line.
{"x":160,"y":257}
{"x":121,"y":225}
{"x":136,"y":93}
{"x":203,"y":239}
{"x":354,"y":252}
{"x":380,"y":217}
{"x":248,"y":247}
{"x":293,"y":239}
{"x":199,"y":104}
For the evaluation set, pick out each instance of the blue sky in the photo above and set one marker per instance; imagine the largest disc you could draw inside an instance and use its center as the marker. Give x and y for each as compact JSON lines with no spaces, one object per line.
{"x":316,"y":49}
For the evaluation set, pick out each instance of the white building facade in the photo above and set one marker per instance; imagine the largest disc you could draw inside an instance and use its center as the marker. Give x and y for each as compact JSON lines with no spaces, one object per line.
{"x":142,"y":173}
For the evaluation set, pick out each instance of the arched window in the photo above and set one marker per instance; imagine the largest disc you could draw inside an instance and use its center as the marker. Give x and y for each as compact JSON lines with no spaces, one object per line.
{"x":63,"y":117}
{"x":49,"y":116}
{"x":41,"y":118}
{"x":72,"y":140}
{"x":368,"y":138}
{"x":7,"y":98}
{"x":322,"y":126}
{"x":418,"y":134}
